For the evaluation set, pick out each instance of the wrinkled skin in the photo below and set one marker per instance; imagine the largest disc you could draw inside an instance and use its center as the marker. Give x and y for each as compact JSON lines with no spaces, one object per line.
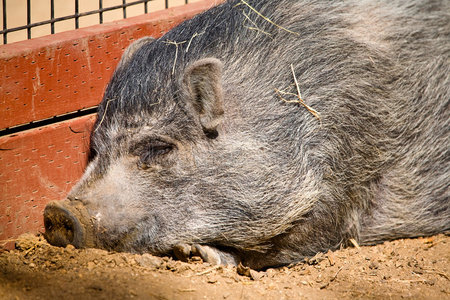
{"x":202,"y":156}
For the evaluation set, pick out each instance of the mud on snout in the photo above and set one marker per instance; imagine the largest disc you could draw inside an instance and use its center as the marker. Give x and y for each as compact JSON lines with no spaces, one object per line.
{"x":67,"y":222}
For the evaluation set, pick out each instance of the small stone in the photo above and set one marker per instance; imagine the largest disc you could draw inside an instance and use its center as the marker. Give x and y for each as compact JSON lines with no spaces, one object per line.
{"x":430,"y":282}
{"x":255,"y":275}
{"x":132,"y":262}
{"x":212,"y":279}
{"x":315,"y":259}
{"x":244,"y":271}
{"x":196,"y":259}
{"x":270,"y":272}
{"x":148,"y":261}
{"x":96,"y":252}
{"x":90,"y":265}
{"x":26,"y":241}
{"x":373,"y":265}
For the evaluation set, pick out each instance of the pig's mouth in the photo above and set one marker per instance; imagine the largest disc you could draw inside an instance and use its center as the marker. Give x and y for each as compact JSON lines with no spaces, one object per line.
{"x":68,"y":222}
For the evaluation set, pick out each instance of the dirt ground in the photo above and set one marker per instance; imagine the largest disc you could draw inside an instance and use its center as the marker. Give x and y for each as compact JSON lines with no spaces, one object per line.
{"x":410,"y":268}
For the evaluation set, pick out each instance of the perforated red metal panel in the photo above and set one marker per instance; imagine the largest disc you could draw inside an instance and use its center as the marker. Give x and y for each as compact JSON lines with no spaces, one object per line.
{"x":51,"y":76}
{"x":37,"y":166}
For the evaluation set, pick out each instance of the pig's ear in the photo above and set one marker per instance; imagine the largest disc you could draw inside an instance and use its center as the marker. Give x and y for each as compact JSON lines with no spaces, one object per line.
{"x":128,"y":53}
{"x":203,"y":82}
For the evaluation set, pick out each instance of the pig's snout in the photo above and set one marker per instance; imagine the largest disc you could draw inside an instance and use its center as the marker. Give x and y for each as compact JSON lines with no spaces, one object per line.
{"x":67,"y":223}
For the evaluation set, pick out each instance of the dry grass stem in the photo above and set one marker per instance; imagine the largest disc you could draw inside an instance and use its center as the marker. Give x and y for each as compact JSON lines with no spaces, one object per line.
{"x":354,"y":243}
{"x":406,"y":281}
{"x":2,"y":242}
{"x":209,"y":270}
{"x":299,"y":99}
{"x":255,"y":26}
{"x":187,"y":290}
{"x":248,"y":18}
{"x":29,"y":250}
{"x":296,"y":83}
{"x":104,"y":114}
{"x":257,"y":29}
{"x":438,"y":273}
{"x":335,"y":275}
{"x":267,"y":19}
{"x":331,"y":279}
{"x":330,"y":260}
{"x":176,"y":52}
{"x":192,"y":37}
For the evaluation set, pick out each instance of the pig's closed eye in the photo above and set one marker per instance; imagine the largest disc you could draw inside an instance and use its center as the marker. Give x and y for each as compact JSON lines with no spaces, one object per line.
{"x":148,"y":153}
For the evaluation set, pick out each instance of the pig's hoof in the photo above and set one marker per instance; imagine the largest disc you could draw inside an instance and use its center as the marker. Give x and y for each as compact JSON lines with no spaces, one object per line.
{"x":182,"y":252}
{"x":208,"y":254}
{"x":214,"y":256}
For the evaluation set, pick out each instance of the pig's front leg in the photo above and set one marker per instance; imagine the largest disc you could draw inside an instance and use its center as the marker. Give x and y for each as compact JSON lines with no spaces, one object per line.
{"x":209,"y":254}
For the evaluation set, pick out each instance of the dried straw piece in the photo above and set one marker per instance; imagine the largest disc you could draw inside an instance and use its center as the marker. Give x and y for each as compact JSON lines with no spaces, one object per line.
{"x":176,"y":52}
{"x":104,"y":114}
{"x":354,"y":243}
{"x":267,"y":19}
{"x":299,"y":99}
{"x":192,"y":37}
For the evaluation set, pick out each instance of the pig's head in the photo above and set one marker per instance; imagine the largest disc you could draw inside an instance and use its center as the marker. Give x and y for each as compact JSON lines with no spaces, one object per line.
{"x":174,"y":161}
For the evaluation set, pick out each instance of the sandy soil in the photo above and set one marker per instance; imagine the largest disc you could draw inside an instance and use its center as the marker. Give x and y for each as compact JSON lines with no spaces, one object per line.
{"x":410,"y":268}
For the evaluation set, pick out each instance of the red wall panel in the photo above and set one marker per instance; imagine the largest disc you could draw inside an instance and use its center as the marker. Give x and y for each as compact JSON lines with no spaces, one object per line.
{"x":61,"y":73}
{"x":37,"y":166}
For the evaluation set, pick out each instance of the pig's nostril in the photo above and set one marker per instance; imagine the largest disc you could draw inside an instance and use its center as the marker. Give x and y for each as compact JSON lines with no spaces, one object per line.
{"x":62,"y":227}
